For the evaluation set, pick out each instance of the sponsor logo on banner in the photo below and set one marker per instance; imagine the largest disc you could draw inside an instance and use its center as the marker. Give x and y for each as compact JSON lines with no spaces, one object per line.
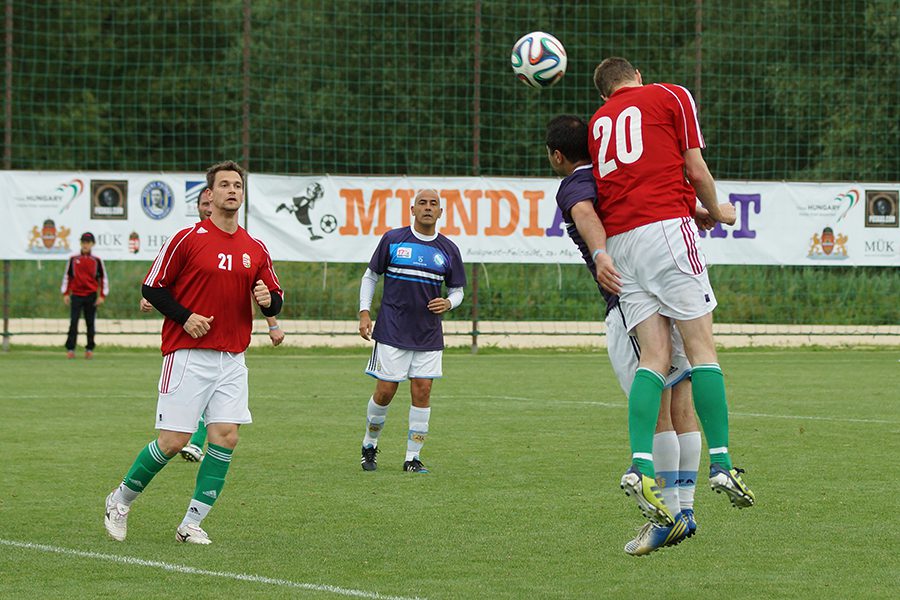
{"x":48,"y":239}
{"x":134,"y":242}
{"x":302,"y":204}
{"x":109,"y":199}
{"x":245,"y":260}
{"x":882,"y":248}
{"x":63,"y":195}
{"x":157,"y":200}
{"x":192,"y":190}
{"x":882,"y":208}
{"x":836,"y":207}
{"x":828,"y":246}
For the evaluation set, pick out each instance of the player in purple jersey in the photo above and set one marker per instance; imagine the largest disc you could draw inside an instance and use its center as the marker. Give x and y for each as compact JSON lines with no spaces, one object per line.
{"x":676,"y":444}
{"x":409,"y":338}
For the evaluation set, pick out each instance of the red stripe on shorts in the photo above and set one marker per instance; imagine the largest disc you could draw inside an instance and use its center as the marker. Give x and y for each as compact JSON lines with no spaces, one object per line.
{"x":691,"y":244}
{"x":167,"y":373}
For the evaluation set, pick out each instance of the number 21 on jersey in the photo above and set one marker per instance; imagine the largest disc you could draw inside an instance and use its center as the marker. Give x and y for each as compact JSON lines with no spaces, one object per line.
{"x":629,"y":140}
{"x":224,"y":261}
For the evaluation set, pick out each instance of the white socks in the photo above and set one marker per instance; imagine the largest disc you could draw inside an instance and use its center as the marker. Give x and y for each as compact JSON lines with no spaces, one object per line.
{"x":418,"y":430}
{"x":688,"y":465}
{"x":375,"y":417}
{"x":666,"y":452}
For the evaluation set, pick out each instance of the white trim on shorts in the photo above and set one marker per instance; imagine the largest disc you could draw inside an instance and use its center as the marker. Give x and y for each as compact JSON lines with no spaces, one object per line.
{"x":388,"y":363}
{"x":199,"y":382}
{"x":625,"y":352}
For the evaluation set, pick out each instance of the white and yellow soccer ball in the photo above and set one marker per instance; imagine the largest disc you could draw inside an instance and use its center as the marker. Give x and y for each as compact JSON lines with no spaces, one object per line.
{"x":539,"y":59}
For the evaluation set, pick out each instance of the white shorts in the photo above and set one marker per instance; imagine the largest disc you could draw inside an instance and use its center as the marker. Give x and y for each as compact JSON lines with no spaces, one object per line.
{"x":625,"y":353}
{"x":200,"y":382}
{"x":663,"y":270}
{"x":395,"y":364}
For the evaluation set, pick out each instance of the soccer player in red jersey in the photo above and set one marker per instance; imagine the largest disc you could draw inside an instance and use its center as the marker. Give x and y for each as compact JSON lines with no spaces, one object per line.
{"x":85,"y":285}
{"x":193,"y":451}
{"x":646,"y":144}
{"x":200,"y":281}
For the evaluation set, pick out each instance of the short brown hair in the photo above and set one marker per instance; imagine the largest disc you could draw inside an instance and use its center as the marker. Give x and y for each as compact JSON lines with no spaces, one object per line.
{"x":225,"y":165}
{"x":612,"y":72}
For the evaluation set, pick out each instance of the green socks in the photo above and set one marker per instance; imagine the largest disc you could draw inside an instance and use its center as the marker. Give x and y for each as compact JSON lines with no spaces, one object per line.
{"x":643,"y":410}
{"x":211,"y":475}
{"x":148,"y":463}
{"x":199,"y":437}
{"x":708,"y":387}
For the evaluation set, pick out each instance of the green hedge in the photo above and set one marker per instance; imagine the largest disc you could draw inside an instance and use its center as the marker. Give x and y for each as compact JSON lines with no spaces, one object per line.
{"x":507,"y":292}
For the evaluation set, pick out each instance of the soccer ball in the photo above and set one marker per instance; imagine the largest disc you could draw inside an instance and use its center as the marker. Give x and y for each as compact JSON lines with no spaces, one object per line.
{"x":539,"y":59}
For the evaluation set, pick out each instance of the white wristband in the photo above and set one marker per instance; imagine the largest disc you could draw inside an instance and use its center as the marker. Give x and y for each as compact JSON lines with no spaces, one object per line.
{"x":273,"y":327}
{"x":596,"y":252}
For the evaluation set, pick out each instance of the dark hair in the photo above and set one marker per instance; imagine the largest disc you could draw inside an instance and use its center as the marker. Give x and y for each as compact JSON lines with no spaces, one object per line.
{"x":569,"y":135}
{"x":225,"y":165}
{"x":200,"y":193}
{"x":612,"y":72}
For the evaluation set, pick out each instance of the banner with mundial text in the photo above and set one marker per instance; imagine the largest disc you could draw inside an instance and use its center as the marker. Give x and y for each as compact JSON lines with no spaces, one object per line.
{"x":326,"y":218}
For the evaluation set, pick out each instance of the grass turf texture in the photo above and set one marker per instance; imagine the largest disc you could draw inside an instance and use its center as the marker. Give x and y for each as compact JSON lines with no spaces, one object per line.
{"x":526,"y":450}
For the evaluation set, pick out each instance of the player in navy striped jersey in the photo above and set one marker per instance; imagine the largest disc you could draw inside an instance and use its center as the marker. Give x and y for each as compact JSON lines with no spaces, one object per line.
{"x":676,"y":444}
{"x":409,"y":339}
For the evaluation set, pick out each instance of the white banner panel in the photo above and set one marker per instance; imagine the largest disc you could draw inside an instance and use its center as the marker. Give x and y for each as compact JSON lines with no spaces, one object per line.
{"x":130,"y":214}
{"x":492,"y":219}
{"x":339,"y":219}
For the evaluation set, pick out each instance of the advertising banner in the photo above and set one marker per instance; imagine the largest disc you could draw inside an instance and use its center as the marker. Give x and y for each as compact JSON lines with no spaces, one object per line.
{"x":492,"y":219}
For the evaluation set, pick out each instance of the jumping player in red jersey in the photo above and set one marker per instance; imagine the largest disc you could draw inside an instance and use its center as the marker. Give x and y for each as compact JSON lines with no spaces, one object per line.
{"x":645,"y":142}
{"x":200,"y":281}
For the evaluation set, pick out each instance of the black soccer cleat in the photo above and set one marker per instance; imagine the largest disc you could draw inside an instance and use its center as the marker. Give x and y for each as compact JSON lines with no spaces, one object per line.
{"x":414,"y":466}
{"x":368,"y":460}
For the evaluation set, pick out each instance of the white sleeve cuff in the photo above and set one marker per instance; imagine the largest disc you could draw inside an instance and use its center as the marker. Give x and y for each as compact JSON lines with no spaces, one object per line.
{"x":367,"y":289}
{"x":455,"y":296}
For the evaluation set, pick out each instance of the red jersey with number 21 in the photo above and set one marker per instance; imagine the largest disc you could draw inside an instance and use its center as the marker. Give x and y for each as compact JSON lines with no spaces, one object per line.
{"x":212,"y":273}
{"x":637,"y":140}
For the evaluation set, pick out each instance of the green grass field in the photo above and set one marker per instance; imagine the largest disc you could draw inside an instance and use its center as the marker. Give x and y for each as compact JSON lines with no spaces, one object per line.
{"x":526,"y":450}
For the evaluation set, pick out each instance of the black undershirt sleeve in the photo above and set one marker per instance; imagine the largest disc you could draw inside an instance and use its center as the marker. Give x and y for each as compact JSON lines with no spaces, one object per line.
{"x":275,"y":307}
{"x":163,"y":301}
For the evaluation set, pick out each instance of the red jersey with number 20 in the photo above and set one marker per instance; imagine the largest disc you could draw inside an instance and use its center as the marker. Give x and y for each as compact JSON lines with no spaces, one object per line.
{"x":637,"y":141}
{"x":212,"y":273}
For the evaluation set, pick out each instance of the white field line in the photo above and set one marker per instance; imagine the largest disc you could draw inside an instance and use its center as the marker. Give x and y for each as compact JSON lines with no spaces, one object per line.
{"x":128,"y":560}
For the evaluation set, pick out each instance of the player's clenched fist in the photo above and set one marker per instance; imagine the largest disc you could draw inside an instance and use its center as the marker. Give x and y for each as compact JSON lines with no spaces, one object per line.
{"x":438,"y":305}
{"x":262,"y":294}
{"x":197,"y":325}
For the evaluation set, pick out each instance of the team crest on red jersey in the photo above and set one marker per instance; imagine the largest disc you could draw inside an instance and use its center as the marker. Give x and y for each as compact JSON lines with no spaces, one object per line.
{"x":246,"y":260}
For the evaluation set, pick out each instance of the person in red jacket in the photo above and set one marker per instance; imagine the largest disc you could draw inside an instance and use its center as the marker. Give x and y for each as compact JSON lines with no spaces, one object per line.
{"x":85,"y":286}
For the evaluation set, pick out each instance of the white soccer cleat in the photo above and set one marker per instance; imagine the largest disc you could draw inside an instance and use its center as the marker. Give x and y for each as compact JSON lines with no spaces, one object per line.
{"x":116,"y":518}
{"x":192,"y":534}
{"x":192,"y":453}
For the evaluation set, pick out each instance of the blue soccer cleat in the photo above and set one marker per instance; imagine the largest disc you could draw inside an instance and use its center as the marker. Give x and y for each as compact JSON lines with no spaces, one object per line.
{"x":652,"y":537}
{"x":688,"y":515}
